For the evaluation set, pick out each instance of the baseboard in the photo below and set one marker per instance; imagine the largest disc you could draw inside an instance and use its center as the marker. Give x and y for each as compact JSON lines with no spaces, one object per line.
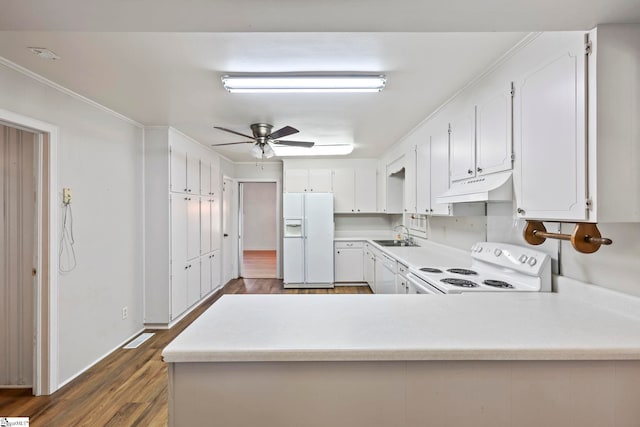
{"x":308,"y":285}
{"x":164,"y":326}
{"x":117,"y":347}
{"x":351,"y":284}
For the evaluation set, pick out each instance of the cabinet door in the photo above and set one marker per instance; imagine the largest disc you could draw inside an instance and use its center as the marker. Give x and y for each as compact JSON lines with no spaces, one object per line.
{"x":215,"y":177}
{"x":462,"y":143}
{"x":205,"y":177}
{"x":205,"y":275}
{"x":365,"y":189}
{"x":193,"y":282}
{"x":205,"y":225}
{"x":215,"y":223}
{"x":439,"y":171}
{"x":409,"y":203}
{"x":296,"y":180}
{"x":423,"y":178}
{"x":494,"y":132}
{"x":179,"y":228}
{"x":549,"y":109}
{"x":193,"y":227}
{"x":349,"y":265}
{"x":178,"y":289}
{"x":193,"y":173}
{"x":178,"y":169}
{"x":320,"y":180}
{"x":216,"y":272}
{"x":344,"y":192}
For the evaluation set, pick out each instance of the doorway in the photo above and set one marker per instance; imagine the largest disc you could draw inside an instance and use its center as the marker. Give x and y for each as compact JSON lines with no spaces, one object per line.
{"x":229,"y":242}
{"x":28,"y":257}
{"x":18,"y":179}
{"x":258,"y":250}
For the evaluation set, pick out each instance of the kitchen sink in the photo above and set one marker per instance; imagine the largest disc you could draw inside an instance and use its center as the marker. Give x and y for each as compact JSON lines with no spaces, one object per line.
{"x":394,"y":243}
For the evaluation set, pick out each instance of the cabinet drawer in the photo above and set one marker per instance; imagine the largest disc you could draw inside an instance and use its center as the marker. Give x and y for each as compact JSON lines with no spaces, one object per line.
{"x":349,"y":245}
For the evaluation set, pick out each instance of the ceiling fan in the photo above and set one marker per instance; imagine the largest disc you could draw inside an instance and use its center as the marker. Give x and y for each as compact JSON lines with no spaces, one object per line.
{"x":263,"y":137}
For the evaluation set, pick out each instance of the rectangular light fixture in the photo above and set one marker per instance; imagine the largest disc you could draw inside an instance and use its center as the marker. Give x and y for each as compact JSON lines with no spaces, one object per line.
{"x":303,"y":84}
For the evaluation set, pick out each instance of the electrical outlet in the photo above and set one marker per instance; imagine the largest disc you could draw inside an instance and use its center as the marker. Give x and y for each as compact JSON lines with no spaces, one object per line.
{"x":125,"y":312}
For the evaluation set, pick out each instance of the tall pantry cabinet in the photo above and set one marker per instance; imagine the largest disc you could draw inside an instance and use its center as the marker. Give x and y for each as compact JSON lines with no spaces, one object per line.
{"x":182,"y":224}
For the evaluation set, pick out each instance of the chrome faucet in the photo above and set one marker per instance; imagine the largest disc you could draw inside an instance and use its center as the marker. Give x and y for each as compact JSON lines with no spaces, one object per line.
{"x":408,"y":239}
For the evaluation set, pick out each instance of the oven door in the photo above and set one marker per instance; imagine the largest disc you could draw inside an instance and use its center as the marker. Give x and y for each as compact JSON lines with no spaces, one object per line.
{"x":420,"y":287}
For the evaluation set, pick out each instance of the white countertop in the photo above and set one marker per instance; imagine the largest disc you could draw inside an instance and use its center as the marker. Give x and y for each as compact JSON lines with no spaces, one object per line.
{"x":486,"y":326}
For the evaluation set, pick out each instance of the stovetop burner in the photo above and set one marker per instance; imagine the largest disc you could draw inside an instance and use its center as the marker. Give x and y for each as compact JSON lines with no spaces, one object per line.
{"x":498,"y":284}
{"x":431,"y":270}
{"x":462,"y":271}
{"x":460,"y":282}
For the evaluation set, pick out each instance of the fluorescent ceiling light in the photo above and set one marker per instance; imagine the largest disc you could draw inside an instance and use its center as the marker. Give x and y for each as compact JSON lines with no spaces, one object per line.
{"x":316,"y":150}
{"x":303,"y":84}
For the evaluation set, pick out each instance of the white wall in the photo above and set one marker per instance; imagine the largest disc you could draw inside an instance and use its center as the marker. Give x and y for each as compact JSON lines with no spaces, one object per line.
{"x":259,"y":216}
{"x":100,"y":159}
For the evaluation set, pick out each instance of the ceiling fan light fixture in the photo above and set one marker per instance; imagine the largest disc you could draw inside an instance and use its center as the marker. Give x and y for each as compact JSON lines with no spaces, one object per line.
{"x":267,"y":151}
{"x":303,"y":84}
{"x":256,"y":151}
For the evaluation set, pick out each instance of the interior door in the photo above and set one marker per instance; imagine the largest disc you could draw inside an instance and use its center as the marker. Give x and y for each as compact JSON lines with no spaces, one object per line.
{"x":229,"y":255}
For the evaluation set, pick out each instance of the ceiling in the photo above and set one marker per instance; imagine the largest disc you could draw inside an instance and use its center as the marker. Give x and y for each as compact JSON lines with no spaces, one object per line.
{"x":160,"y":62}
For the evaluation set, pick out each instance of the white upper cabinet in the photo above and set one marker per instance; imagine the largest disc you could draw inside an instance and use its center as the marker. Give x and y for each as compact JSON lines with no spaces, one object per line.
{"x":439,"y":170}
{"x":185,"y":165}
{"x":205,"y":177}
{"x":494,"y":132}
{"x":423,"y":177}
{"x":432,"y":159}
{"x":344,"y":192}
{"x":354,"y":189}
{"x":178,"y":168}
{"x":549,"y":112}
{"x":462,"y":144}
{"x":300,"y":180}
{"x":410,"y":180}
{"x":366,"y":190}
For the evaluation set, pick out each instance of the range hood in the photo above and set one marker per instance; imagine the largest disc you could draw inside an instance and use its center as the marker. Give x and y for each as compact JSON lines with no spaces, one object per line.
{"x":496,"y":187}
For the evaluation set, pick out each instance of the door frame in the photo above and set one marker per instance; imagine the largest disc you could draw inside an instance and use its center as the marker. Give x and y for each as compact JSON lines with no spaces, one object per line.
{"x":233,"y":231}
{"x":45,"y":363}
{"x":278,"y":207}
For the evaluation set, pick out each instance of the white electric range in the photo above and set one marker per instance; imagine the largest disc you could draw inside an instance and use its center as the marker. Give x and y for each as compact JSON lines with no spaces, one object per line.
{"x":495,"y":267}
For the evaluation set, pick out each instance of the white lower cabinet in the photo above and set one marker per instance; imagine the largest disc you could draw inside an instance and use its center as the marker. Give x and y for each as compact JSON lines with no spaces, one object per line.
{"x":402,"y":284}
{"x":349,"y":262}
{"x":209,"y":273}
{"x":369,"y":267}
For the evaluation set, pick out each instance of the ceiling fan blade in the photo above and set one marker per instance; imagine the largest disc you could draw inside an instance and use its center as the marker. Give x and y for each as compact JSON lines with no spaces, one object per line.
{"x":233,"y":131}
{"x":281,"y":133}
{"x":233,"y":143}
{"x":306,"y":144}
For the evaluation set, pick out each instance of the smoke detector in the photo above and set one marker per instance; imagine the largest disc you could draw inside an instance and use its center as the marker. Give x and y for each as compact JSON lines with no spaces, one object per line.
{"x":44,"y":53}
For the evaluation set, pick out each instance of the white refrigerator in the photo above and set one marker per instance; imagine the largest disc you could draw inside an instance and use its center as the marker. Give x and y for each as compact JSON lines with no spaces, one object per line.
{"x":308,"y":240}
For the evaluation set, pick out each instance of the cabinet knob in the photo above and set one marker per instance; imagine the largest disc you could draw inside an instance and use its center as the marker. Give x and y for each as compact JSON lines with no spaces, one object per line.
{"x":520,"y":211}
{"x":186,"y":266}
{"x":352,"y":210}
{"x":430,"y":210}
{"x":358,"y":210}
{"x":185,"y":189}
{"x":338,"y":251}
{"x":311,"y":189}
{"x":479,"y":169}
{"x":469,"y":171}
{"x":189,"y":190}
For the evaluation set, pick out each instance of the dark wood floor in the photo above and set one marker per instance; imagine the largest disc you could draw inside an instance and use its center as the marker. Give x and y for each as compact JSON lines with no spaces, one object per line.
{"x":128,"y":387}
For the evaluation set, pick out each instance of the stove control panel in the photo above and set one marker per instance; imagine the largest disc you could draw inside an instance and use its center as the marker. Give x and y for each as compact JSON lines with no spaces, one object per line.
{"x":518,"y":258}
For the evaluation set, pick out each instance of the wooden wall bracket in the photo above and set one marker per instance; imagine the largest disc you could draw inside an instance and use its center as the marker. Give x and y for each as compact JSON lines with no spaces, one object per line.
{"x":585,"y":238}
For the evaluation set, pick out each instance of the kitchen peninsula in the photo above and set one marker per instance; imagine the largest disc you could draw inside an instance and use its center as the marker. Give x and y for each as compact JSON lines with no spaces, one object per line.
{"x":489,"y":359}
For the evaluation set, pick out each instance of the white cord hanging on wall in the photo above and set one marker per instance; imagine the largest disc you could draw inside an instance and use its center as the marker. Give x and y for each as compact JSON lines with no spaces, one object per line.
{"x":67,"y":261}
